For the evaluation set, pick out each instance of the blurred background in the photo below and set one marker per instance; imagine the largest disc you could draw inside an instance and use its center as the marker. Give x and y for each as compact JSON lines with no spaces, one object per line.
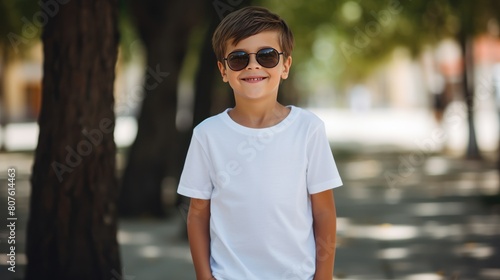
{"x":409,"y":92}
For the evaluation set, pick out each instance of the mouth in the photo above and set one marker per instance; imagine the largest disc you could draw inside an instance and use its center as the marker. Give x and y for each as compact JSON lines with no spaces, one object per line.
{"x":254,"y":79}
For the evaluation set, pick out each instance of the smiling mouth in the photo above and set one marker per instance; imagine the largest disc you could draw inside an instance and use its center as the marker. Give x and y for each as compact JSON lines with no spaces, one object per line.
{"x":254,"y":79}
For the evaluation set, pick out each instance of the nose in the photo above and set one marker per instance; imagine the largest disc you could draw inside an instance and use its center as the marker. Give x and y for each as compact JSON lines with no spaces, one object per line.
{"x":252,"y":63}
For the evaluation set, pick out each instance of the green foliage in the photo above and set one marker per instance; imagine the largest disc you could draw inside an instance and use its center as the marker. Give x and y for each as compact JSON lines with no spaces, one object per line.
{"x":21,"y":26}
{"x":345,"y":40}
{"x":18,"y":30}
{"x":129,"y":41}
{"x":8,"y":13}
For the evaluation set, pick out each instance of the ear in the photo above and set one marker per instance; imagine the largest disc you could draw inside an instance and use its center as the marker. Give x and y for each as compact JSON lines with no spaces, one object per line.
{"x":222,"y":70}
{"x":287,"y":63}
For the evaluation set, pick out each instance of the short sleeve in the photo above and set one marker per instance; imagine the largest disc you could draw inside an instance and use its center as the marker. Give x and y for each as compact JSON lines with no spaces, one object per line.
{"x":195,"y":179}
{"x":322,"y":173}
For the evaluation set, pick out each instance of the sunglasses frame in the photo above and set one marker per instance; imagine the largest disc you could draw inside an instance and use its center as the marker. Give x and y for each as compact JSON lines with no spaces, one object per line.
{"x":256,"y":58}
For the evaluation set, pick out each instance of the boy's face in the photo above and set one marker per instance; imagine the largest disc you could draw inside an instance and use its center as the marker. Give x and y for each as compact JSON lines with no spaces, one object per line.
{"x":255,"y":81}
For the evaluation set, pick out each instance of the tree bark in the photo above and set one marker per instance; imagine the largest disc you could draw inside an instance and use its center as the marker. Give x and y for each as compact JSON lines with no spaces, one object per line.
{"x":72,"y":225}
{"x":164,"y":27}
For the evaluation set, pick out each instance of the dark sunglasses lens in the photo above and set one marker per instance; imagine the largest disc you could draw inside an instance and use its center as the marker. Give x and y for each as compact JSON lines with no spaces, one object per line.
{"x":238,"y":60}
{"x":268,"y":57}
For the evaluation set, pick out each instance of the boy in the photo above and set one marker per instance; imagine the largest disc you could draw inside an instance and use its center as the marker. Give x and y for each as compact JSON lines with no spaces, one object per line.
{"x":260,"y":175}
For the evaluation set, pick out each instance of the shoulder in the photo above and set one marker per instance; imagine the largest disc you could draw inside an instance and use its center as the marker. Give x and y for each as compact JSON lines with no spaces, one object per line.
{"x":210,"y":125}
{"x":211,"y":122}
{"x":309,"y":119}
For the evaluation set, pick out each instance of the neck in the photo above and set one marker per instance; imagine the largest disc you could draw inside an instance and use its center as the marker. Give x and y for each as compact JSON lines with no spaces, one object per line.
{"x":258,"y":114}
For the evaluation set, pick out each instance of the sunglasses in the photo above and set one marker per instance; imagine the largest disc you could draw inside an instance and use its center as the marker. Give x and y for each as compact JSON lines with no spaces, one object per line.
{"x":267,"y":58}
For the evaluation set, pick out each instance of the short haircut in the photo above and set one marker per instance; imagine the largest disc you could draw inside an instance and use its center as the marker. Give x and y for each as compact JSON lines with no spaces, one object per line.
{"x":247,"y":22}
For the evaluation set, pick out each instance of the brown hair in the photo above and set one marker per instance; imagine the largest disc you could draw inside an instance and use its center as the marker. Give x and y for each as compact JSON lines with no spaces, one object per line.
{"x":247,"y":22}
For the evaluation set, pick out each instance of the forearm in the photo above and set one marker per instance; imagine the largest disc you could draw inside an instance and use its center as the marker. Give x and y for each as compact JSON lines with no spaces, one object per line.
{"x":325,"y":235}
{"x":198,"y":226}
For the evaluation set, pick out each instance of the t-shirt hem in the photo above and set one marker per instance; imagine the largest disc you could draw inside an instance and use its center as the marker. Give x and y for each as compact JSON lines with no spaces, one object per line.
{"x":219,"y":277}
{"x":335,"y":183}
{"x":182,"y":190}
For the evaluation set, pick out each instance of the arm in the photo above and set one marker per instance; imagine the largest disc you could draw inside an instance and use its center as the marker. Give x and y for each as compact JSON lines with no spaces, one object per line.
{"x":198,"y":226}
{"x":325,"y":227}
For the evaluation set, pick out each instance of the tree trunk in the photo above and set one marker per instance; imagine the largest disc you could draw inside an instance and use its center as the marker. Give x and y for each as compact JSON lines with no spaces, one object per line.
{"x":205,"y":76}
{"x":164,"y":27}
{"x":468,"y":89}
{"x":72,"y":225}
{"x":467,"y":13}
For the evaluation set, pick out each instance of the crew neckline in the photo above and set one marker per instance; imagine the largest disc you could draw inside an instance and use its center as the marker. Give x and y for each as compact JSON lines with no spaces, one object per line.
{"x":294,"y":111}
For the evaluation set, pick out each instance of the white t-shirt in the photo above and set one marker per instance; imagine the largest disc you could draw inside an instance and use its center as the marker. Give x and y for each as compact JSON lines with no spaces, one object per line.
{"x":259,"y":182}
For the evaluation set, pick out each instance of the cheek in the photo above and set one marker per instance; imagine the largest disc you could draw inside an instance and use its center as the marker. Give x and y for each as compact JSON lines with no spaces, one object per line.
{"x":231,"y":77}
{"x":280,"y":73}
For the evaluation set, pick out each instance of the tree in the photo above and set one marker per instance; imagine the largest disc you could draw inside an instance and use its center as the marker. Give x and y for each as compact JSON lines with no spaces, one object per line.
{"x":164,"y":27}
{"x":72,"y":224}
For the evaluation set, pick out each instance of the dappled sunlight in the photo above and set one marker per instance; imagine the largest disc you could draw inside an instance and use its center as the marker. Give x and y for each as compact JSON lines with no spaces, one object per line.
{"x":466,"y":186}
{"x":393,"y":253}
{"x":358,"y":192}
{"x":484,"y":225}
{"x":438,"y":208}
{"x":424,"y":276}
{"x":393,"y":195}
{"x":489,"y":184}
{"x":474,"y":250}
{"x":342,"y":224}
{"x":178,"y":252}
{"x":155,"y":247}
{"x":134,"y":238}
{"x":436,"y":166}
{"x":362,"y":169}
{"x":383,"y":232}
{"x":436,"y":230}
{"x":490,"y":273}
{"x":428,"y":225}
{"x":149,"y":252}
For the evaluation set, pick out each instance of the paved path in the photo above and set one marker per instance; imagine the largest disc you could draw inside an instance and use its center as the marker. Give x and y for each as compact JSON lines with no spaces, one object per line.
{"x":401,"y":216}
{"x":424,"y":222}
